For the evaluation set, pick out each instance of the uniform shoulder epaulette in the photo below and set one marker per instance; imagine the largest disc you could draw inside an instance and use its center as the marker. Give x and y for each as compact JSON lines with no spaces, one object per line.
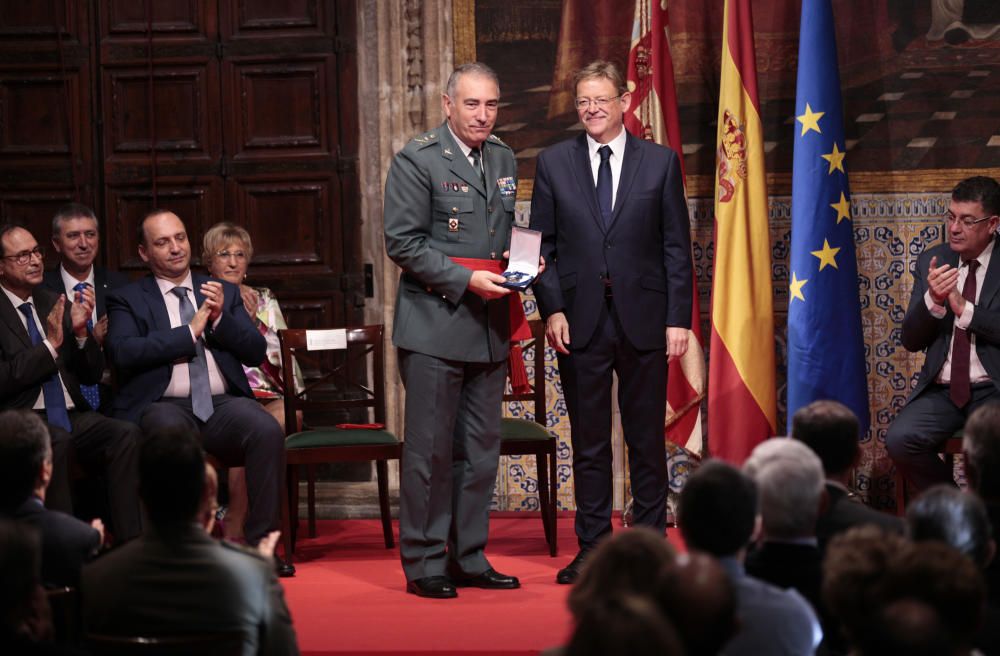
{"x":495,"y":139}
{"x":425,"y":139}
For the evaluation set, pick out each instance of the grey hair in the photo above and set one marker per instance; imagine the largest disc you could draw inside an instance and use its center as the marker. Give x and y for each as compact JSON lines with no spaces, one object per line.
{"x":472,"y":68}
{"x":790,"y":479}
{"x":71,"y":211}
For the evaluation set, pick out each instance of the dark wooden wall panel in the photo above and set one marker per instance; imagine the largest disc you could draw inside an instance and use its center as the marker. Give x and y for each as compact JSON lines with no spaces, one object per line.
{"x":255,"y":19}
{"x":214,"y":109}
{"x":197,"y":201}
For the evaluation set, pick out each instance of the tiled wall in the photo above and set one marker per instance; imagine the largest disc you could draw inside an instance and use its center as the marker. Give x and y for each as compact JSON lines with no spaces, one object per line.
{"x":891,"y":230}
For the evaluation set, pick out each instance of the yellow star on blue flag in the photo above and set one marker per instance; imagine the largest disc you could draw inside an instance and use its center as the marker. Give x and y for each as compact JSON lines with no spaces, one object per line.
{"x":826,"y":356}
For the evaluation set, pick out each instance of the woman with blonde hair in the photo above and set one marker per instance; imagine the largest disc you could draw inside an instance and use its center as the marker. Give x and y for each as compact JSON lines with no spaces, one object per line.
{"x":226,"y":253}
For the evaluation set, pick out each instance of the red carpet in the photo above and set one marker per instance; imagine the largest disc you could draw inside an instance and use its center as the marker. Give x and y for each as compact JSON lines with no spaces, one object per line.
{"x":349,"y":596}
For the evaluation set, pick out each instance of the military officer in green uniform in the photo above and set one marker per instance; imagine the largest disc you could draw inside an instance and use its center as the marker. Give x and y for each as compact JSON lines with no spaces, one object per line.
{"x":450,"y":194}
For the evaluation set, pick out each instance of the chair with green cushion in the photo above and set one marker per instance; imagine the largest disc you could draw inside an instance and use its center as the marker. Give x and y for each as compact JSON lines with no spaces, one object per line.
{"x":345,"y":384}
{"x":531,"y":437}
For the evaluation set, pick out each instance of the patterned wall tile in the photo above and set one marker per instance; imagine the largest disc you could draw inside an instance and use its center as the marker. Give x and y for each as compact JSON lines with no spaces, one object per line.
{"x":891,"y":230}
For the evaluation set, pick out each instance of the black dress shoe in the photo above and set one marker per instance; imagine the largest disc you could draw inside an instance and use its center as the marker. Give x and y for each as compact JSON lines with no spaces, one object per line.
{"x":283,"y":568}
{"x":490,"y":580}
{"x":432,"y":587}
{"x":571,"y":572}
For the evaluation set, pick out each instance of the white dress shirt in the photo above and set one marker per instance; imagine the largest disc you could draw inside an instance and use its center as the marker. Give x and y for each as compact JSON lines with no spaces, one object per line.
{"x":977,"y":372}
{"x":467,"y":151}
{"x":17,"y":302}
{"x":180,"y":379}
{"x":617,"y":146}
{"x":69,"y":282}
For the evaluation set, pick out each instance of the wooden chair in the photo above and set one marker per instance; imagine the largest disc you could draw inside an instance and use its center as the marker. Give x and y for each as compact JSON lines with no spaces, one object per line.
{"x":340,"y":389}
{"x":950,"y":448}
{"x":532,"y":437}
{"x":204,"y":644}
{"x":64,"y":604}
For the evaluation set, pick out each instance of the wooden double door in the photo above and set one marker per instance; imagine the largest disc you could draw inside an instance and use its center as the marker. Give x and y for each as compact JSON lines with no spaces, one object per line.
{"x":238,"y":110}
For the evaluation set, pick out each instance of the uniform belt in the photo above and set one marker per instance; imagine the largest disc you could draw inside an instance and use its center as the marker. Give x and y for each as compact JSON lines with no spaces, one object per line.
{"x":519,"y":328}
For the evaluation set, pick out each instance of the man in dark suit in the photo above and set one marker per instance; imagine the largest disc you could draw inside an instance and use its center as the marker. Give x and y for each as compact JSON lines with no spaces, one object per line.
{"x":616,"y":296}
{"x":25,"y":472}
{"x":830,"y":429}
{"x":43,"y":362}
{"x":954,"y":316}
{"x":178,"y":366}
{"x":450,"y":194}
{"x":177,"y":580}
{"x":75,"y":238}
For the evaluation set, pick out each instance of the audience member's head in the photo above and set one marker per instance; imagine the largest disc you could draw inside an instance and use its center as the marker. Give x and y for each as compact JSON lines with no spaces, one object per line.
{"x":717,"y":510}
{"x":906,"y":627}
{"x":75,"y":237}
{"x":830,"y":429}
{"x":22,"y":266}
{"x":628,"y":563}
{"x":226,"y":252}
{"x":790,"y":481}
{"x":868,"y":570}
{"x":164,"y":246}
{"x":25,"y":457}
{"x":23,"y":608}
{"x":980,"y":189}
{"x":946,"y":514}
{"x":698,"y":597}
{"x":624,"y":624}
{"x":981,"y":443}
{"x":172,"y":475}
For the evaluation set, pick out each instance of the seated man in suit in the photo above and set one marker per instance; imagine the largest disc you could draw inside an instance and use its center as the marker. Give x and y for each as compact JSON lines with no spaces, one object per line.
{"x":831,"y":430}
{"x":43,"y":362}
{"x":25,"y":472}
{"x":954,"y":316}
{"x":176,"y":579}
{"x":75,"y":238}
{"x":179,"y":366}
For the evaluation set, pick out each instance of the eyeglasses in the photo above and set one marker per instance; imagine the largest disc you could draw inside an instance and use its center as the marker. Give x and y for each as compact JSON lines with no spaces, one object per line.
{"x":225,"y":255}
{"x":966,"y":223}
{"x":600,"y":103}
{"x":24,"y":257}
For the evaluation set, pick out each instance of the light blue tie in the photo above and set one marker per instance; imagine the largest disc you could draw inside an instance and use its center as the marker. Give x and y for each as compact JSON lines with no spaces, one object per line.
{"x":201,"y":389}
{"x":90,"y":392}
{"x":52,"y":392}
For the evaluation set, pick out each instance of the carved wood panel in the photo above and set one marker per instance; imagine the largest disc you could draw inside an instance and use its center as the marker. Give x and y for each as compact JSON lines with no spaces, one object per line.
{"x":47,"y":136}
{"x":228,"y":109}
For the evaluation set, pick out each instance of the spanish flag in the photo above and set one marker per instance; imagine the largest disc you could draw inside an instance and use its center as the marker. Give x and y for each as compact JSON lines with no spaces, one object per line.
{"x":653,"y":116}
{"x":741,"y":388}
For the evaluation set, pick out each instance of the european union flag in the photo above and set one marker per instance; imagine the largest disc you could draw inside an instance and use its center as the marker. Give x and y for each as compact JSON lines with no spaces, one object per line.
{"x":826,"y":357}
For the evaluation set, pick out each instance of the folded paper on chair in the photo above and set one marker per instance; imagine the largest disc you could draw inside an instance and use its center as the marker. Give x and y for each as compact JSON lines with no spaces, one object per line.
{"x":522,"y":267}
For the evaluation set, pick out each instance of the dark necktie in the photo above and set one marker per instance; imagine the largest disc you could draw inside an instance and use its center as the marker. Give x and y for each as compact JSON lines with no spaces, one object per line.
{"x":961,"y":348}
{"x":90,"y":392}
{"x":201,"y":389}
{"x":52,"y":391}
{"x":477,"y":163}
{"x":604,"y":185}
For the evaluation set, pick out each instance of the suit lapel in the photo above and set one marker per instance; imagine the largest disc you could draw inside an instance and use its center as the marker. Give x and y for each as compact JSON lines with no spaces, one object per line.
{"x":10,"y":315}
{"x":100,"y":291}
{"x":585,"y":178}
{"x":991,"y":282}
{"x":459,"y":163}
{"x":631,"y":163}
{"x":157,"y":305}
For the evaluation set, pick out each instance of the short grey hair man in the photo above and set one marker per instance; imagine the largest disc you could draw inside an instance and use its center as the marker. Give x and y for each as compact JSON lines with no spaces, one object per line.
{"x":789,"y":478}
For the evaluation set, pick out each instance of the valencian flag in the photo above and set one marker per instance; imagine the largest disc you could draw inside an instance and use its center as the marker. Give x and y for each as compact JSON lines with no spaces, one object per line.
{"x":826,"y":358}
{"x":653,"y":116}
{"x":741,"y":390}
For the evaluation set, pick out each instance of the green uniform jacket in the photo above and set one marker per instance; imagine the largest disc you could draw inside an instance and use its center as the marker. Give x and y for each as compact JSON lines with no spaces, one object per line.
{"x":436,"y":208}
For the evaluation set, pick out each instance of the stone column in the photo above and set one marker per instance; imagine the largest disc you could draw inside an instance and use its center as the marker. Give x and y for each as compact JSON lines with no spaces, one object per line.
{"x":404,"y":59}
